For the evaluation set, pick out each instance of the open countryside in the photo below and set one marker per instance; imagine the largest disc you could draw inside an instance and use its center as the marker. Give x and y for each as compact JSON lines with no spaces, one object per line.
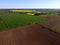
{"x":29,"y":27}
{"x":15,"y":18}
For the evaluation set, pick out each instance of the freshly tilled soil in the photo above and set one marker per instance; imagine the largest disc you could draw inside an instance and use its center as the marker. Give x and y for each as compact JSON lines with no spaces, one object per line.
{"x":29,"y":35}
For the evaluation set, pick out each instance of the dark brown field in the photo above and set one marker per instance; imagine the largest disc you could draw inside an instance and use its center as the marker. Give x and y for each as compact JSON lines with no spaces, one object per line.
{"x":29,"y":35}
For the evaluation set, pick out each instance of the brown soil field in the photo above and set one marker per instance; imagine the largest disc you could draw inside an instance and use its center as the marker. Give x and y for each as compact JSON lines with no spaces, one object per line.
{"x":51,"y":16}
{"x":29,"y":35}
{"x":53,"y":23}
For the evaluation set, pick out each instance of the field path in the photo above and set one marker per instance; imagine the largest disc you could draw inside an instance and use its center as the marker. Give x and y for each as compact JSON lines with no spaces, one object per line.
{"x":29,"y":35}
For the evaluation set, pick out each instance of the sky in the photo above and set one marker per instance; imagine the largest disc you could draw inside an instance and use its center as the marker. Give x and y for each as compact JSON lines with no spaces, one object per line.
{"x":22,"y":4}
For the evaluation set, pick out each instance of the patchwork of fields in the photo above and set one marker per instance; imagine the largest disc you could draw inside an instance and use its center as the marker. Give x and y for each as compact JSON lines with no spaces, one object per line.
{"x":12,"y":20}
{"x":36,"y":31}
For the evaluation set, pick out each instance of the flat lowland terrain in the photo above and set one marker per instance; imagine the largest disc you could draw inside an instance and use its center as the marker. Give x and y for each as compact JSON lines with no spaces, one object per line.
{"x":29,"y":35}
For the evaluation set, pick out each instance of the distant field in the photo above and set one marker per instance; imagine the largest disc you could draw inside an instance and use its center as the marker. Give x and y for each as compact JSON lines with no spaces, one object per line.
{"x":12,"y":20}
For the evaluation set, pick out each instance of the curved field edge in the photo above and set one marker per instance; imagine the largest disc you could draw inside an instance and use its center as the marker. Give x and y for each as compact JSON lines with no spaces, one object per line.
{"x":12,"y":20}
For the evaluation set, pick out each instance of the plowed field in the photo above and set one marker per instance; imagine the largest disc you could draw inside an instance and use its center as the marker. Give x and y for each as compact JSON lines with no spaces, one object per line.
{"x":29,"y":35}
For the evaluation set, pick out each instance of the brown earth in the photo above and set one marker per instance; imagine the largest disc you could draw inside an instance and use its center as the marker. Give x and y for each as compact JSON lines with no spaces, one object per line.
{"x":29,"y":35}
{"x":51,"y":17}
{"x":53,"y":23}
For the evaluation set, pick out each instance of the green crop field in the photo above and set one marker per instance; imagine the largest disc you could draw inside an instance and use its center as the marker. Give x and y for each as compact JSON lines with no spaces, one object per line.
{"x":12,"y":20}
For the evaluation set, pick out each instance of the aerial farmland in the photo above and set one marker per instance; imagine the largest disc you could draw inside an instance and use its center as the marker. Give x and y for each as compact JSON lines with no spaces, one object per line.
{"x":15,"y":18}
{"x":29,"y":22}
{"x":29,"y":27}
{"x":12,"y":18}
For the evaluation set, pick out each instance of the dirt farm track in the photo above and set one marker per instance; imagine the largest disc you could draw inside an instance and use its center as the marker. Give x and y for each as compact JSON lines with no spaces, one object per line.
{"x":29,"y":35}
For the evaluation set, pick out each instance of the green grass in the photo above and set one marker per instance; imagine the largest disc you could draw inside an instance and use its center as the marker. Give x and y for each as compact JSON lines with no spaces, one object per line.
{"x":12,"y":20}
